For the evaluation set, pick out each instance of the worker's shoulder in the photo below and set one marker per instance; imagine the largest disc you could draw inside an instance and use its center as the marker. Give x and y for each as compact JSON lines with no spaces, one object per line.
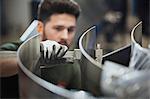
{"x":10,"y":46}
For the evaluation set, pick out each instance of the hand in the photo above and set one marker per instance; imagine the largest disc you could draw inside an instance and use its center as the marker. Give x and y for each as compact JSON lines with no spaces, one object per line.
{"x":52,"y":49}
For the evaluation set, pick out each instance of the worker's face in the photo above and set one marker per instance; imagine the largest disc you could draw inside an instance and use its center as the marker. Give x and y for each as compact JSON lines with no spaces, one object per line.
{"x":60,"y":28}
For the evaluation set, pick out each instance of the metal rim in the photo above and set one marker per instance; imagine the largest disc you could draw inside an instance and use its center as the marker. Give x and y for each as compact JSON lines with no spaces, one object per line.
{"x":93,"y":61}
{"x":47,"y":85}
{"x":138,"y":46}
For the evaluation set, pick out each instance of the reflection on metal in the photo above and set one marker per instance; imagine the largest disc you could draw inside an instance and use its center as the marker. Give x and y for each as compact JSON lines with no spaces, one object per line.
{"x":98,"y":53}
{"x":136,"y":33}
{"x":140,"y":58}
{"x":31,"y":31}
{"x":113,"y":80}
{"x":31,"y":85}
{"x":71,"y":56}
{"x":93,"y":61}
{"x":7,"y":54}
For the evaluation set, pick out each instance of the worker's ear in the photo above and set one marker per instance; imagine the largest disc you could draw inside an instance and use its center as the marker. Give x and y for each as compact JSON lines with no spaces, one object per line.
{"x":40,"y":29}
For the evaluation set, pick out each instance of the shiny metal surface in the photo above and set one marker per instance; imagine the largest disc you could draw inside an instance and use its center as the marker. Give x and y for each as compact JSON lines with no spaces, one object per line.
{"x":140,"y":56}
{"x":90,"y":67}
{"x":32,"y":86}
{"x":109,"y":80}
{"x":92,"y":60}
{"x":31,"y":31}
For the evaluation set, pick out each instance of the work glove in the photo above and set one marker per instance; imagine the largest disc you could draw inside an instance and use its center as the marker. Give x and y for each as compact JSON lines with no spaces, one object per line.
{"x":52,"y":49}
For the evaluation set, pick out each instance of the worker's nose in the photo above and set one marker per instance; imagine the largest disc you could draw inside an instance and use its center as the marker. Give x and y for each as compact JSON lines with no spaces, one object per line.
{"x":64,"y":34}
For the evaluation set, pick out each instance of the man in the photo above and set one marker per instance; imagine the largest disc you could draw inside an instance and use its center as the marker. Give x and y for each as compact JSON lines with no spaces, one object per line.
{"x":57,"y":22}
{"x":57,"y":25}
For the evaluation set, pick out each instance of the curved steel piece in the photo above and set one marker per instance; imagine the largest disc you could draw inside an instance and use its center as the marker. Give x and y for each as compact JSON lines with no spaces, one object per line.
{"x":31,"y":85}
{"x":140,"y":56}
{"x":93,"y":61}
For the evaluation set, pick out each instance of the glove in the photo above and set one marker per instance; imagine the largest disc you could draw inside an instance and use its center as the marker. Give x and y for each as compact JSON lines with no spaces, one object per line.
{"x":52,"y":49}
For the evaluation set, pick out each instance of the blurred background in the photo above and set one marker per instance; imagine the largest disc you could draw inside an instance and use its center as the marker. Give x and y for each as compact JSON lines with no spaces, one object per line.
{"x":114,"y":20}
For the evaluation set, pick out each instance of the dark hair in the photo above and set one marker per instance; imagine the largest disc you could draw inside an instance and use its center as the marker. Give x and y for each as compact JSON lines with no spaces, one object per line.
{"x":50,"y":7}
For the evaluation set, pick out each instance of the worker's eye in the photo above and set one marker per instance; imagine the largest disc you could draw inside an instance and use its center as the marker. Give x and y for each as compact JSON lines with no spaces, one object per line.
{"x":71,"y":29}
{"x":59,"y":28}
